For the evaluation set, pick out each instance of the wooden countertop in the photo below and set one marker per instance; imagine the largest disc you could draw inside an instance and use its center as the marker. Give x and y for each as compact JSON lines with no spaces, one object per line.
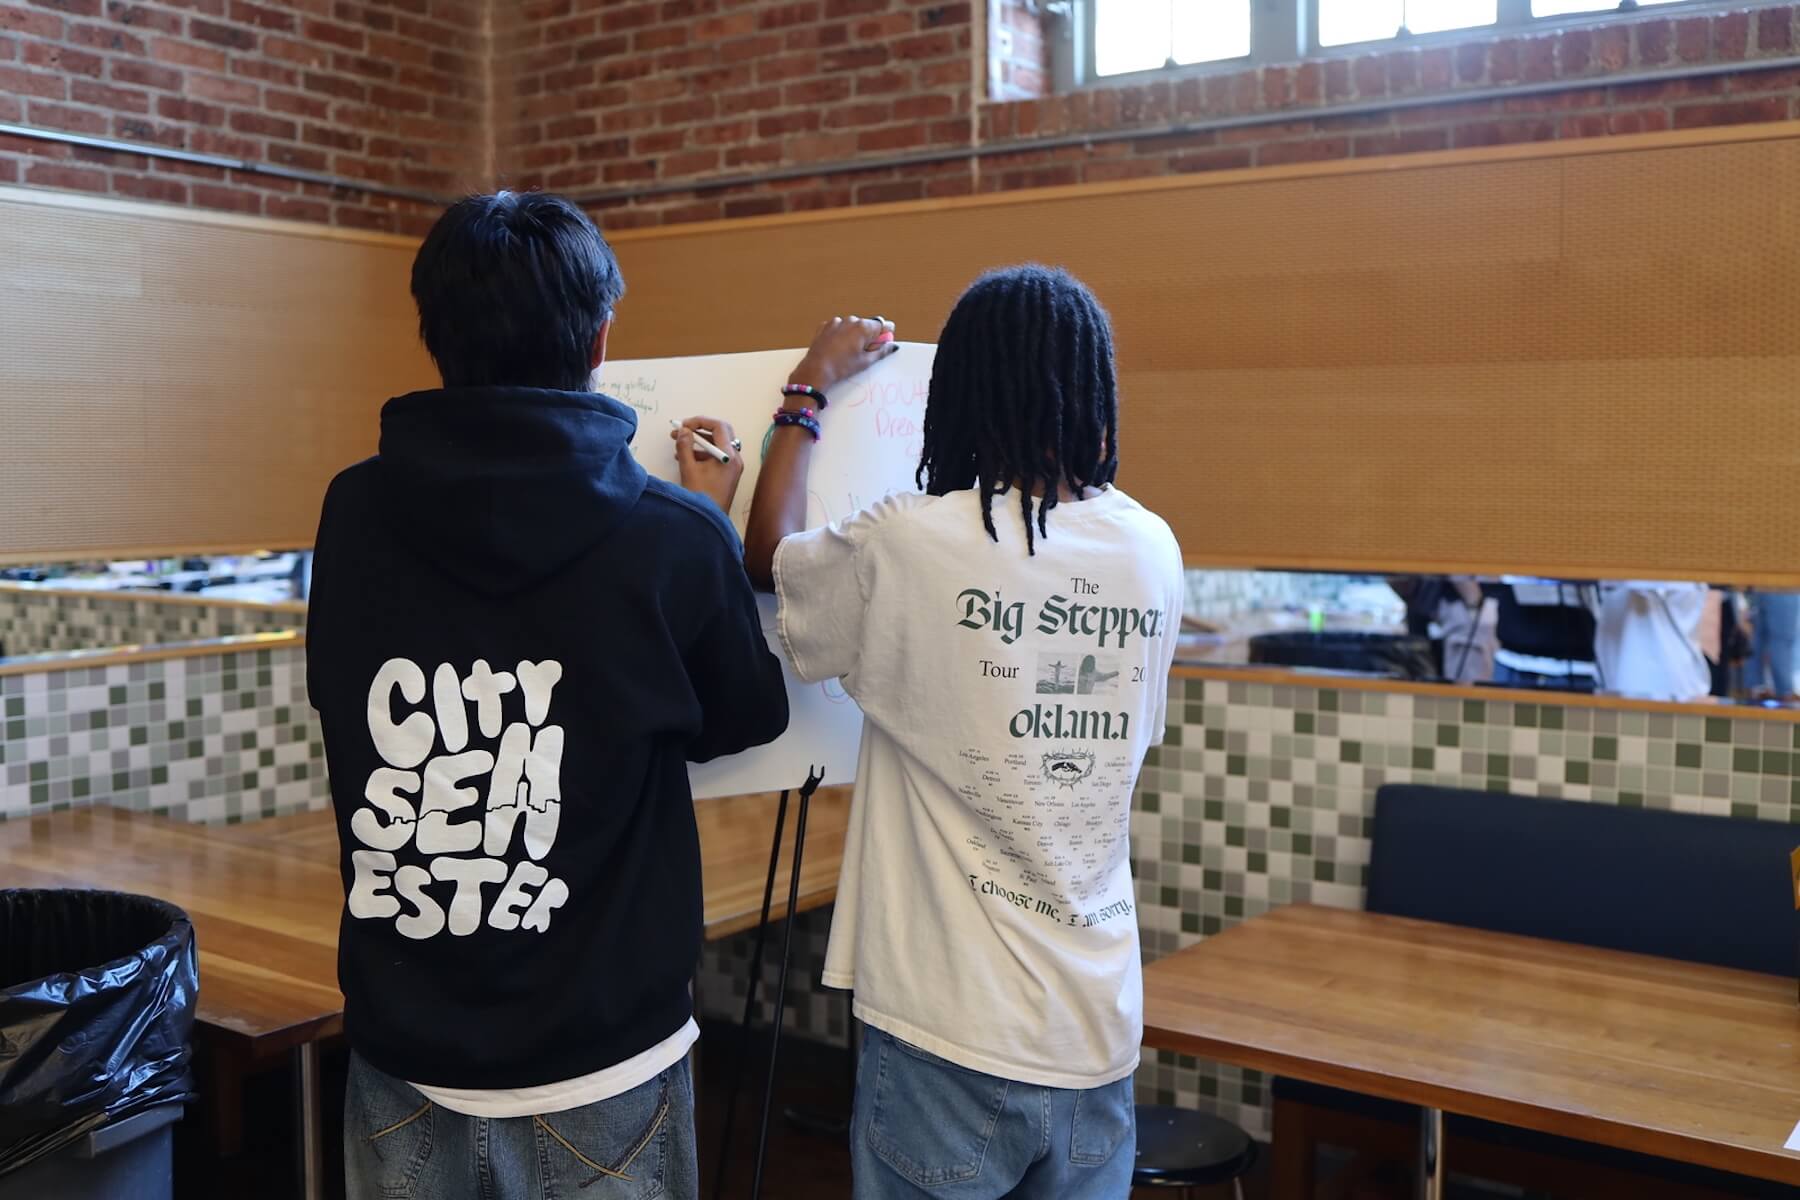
{"x":1675,"y":1059}
{"x":265,"y":896}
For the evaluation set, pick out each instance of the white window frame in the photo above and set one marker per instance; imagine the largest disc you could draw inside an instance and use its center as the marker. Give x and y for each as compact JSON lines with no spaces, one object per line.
{"x":1275,"y":27}
{"x":1513,"y":17}
{"x":1287,"y":31}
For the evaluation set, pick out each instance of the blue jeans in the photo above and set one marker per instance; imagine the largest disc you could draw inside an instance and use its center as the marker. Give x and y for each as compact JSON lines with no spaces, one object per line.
{"x":400,"y":1146}
{"x":923,"y":1127}
{"x":1775,"y":623}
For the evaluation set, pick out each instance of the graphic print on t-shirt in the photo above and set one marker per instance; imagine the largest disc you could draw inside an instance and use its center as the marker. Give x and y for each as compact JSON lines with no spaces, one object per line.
{"x":1077,"y":674}
{"x":417,"y":804}
{"x":1055,"y":801}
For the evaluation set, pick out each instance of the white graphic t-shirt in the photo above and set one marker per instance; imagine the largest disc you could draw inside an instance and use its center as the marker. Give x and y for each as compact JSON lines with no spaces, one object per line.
{"x":985,"y":911}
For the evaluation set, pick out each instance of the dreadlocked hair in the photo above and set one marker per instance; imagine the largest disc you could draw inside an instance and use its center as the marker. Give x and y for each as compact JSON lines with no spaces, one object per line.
{"x":1022,"y":396}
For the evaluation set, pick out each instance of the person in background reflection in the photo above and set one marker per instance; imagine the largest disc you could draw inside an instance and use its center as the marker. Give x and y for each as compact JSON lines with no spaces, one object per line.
{"x":1637,"y":638}
{"x":1459,"y":620}
{"x":1725,"y":640}
{"x":1647,"y":639}
{"x":1546,"y":634}
{"x":1775,"y":623}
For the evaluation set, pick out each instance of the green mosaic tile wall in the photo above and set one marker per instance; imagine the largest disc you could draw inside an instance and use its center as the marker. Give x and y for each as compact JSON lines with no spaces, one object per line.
{"x":222,"y":737}
{"x":34,"y":623}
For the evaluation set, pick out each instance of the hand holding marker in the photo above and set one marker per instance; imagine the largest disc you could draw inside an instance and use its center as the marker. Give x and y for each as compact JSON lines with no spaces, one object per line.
{"x":701,"y":441}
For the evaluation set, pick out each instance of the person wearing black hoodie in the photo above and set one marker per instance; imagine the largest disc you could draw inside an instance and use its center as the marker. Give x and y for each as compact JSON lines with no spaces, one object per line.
{"x":517,"y":641}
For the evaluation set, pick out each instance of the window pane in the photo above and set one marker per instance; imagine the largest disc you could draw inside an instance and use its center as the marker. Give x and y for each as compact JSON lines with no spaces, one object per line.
{"x":1345,"y":21}
{"x":1130,"y":35}
{"x":1211,"y":30}
{"x":1342,"y":21}
{"x":1556,"y":8}
{"x":1434,"y":16}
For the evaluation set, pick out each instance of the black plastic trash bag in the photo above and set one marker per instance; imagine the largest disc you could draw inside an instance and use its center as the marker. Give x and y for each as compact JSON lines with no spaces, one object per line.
{"x":96,"y":1004}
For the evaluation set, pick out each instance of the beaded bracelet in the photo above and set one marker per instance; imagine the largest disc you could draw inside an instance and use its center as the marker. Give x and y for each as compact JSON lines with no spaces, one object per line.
{"x":811,"y":393}
{"x":805,"y":418}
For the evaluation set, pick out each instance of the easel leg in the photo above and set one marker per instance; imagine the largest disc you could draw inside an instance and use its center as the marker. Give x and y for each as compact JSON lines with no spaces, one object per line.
{"x":307,"y":1101}
{"x":741,"y":1051}
{"x":787,"y":948}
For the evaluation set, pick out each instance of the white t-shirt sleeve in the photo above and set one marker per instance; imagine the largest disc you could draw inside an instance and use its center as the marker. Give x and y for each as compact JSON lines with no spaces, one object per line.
{"x":1176,"y":604}
{"x":820,"y":586}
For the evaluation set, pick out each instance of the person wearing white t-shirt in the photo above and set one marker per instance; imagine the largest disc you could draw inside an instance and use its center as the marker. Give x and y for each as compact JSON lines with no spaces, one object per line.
{"x":1008,"y":635}
{"x":1647,"y":639}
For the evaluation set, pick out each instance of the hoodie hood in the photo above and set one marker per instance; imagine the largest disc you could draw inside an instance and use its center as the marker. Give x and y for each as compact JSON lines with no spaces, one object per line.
{"x":502,"y":486}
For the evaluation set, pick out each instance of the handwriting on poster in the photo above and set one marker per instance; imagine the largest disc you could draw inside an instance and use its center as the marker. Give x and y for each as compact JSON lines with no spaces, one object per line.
{"x":897,"y":407}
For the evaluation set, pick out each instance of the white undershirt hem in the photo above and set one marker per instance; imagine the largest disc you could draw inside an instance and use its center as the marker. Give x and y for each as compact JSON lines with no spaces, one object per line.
{"x":578,"y":1092}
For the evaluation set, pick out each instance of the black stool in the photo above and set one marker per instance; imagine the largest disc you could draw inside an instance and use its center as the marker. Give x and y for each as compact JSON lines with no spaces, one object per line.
{"x":1180,"y":1148}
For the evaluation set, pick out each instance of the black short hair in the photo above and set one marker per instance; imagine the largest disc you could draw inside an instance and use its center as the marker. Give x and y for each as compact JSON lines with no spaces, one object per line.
{"x":1023,"y":392}
{"x":511,"y":290}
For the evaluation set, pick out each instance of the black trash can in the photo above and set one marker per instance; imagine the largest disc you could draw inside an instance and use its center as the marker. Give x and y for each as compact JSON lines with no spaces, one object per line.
{"x":97,"y":994}
{"x":1394,"y":655}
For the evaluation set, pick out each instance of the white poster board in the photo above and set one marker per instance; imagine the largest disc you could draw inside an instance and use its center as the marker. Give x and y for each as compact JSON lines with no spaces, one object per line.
{"x":873,"y":434}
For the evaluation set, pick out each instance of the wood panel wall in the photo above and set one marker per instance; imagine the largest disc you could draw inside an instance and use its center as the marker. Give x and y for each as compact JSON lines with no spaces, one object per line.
{"x":182,"y":381}
{"x":1580,"y":359}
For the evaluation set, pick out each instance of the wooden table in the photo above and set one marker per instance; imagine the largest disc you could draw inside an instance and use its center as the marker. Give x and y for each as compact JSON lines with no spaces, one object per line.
{"x":265,"y":898}
{"x":1688,"y":1062}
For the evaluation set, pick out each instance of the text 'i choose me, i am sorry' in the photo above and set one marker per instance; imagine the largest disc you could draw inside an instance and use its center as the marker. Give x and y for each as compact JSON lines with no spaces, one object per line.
{"x":422,"y":799}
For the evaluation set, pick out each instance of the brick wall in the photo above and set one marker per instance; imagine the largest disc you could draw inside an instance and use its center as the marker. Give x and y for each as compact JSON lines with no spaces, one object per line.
{"x":1018,"y":49}
{"x":616,"y":95}
{"x":633,"y":95}
{"x":385,"y":91}
{"x":1581,"y":56}
{"x":589,"y":96}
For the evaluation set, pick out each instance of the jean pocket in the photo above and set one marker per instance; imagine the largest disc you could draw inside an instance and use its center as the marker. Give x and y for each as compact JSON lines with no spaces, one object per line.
{"x":391,"y":1131}
{"x":931,"y":1120}
{"x":1105,"y":1119}
{"x":611,"y":1150}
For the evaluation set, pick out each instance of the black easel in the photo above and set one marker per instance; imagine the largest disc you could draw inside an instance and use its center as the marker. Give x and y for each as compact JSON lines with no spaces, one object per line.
{"x":815,"y":776}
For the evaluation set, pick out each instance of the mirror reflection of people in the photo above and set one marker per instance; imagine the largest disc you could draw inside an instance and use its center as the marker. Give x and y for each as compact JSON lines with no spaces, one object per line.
{"x":1647,"y":639}
{"x":1725,"y":639}
{"x":1638,"y":638}
{"x":1460,"y":621}
{"x":1774,"y":626}
{"x":1545,"y":630}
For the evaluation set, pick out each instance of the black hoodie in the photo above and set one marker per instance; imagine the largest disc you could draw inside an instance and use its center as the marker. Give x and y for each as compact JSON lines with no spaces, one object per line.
{"x":516,"y":643}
